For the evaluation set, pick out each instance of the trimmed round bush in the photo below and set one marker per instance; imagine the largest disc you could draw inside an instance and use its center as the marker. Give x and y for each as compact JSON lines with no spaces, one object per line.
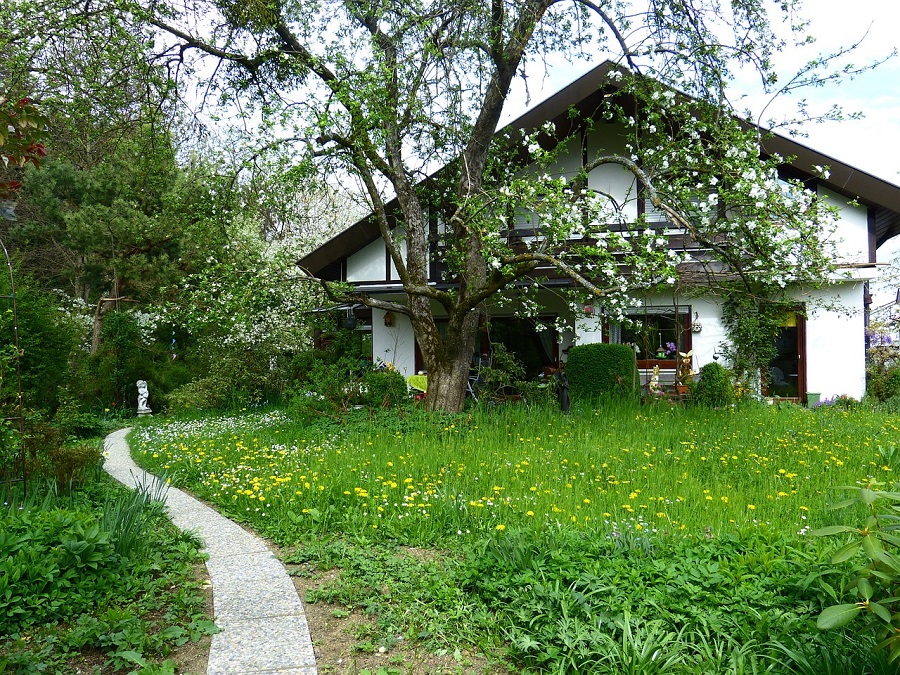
{"x":383,"y":388}
{"x":600,"y":369}
{"x":715,"y":388}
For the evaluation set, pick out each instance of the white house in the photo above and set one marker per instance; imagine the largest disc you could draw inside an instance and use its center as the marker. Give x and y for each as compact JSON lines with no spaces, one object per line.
{"x":821,"y":348}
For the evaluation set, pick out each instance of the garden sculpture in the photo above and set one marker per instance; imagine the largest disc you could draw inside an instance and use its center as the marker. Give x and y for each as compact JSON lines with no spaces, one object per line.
{"x":653,"y":386}
{"x":685,"y":366}
{"x":143,"y":396}
{"x":562,"y":390}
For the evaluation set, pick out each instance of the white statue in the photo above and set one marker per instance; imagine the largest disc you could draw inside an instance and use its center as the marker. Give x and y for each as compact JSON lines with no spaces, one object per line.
{"x":143,"y":396}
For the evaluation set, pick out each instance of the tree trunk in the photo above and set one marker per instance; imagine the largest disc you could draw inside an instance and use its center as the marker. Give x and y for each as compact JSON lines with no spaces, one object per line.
{"x":103,"y":305}
{"x":449,"y":360}
{"x":447,"y":387}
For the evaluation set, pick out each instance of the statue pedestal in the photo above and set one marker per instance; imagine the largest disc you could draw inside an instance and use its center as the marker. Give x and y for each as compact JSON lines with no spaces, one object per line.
{"x":145,"y":413}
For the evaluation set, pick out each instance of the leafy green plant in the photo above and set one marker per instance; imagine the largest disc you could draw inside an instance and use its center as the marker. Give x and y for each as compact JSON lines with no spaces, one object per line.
{"x":70,"y":583}
{"x":891,"y":406}
{"x":715,"y":388}
{"x":883,"y":371}
{"x":75,"y":463}
{"x":596,"y":370}
{"x":752,"y":326}
{"x":570,"y":602}
{"x":53,"y":563}
{"x":46,"y":338}
{"x":204,"y":393}
{"x":503,"y":375}
{"x":126,"y":517}
{"x":380,"y":388}
{"x":874,"y":583}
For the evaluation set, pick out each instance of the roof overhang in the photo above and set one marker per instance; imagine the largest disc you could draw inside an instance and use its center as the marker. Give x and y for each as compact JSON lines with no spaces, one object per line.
{"x":881,"y":197}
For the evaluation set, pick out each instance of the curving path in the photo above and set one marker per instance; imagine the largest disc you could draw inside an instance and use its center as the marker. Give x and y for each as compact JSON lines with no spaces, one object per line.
{"x":261,"y":620}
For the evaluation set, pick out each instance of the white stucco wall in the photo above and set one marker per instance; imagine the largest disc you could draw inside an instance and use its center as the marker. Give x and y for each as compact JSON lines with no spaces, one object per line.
{"x":393,"y":274}
{"x":852,"y":235}
{"x":835,"y":342}
{"x":588,"y":329}
{"x":394,"y":344}
{"x":612,"y":179}
{"x":367,"y":264}
{"x":568,"y":162}
{"x":712,"y":334}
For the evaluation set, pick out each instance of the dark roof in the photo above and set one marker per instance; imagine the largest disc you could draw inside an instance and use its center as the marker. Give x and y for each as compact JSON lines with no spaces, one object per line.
{"x":881,"y":197}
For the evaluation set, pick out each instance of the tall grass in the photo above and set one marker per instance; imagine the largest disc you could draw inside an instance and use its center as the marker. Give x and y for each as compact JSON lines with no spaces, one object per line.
{"x":126,"y":516}
{"x":620,"y":467}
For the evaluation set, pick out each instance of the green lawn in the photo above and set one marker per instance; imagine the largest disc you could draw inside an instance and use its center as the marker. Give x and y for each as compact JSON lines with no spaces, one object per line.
{"x":571,"y":540}
{"x":424,"y":481}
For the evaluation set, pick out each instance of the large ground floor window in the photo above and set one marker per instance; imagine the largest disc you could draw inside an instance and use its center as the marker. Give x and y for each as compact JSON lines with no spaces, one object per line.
{"x":532,"y":341}
{"x":657,"y":335}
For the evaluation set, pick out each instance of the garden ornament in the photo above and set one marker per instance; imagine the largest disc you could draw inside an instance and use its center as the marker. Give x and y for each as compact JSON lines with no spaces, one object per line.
{"x":685,"y":365}
{"x":143,"y":396}
{"x":653,"y":386}
{"x":562,"y":390}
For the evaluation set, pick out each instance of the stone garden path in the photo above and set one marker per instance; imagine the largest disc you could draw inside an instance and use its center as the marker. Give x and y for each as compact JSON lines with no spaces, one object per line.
{"x":262,"y":623}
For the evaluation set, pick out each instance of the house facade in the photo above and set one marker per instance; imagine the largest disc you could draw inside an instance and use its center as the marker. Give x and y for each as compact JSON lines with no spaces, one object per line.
{"x":821,"y":346}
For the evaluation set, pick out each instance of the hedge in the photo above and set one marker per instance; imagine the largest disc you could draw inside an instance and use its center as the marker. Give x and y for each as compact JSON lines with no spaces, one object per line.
{"x":600,"y":369}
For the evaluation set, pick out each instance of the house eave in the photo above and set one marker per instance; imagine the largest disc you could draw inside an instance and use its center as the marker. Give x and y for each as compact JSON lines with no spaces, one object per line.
{"x":881,"y":197}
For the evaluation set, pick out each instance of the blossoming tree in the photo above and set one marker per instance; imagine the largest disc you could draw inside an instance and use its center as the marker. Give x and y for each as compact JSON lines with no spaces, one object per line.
{"x":22,"y":130}
{"x":385,"y":92}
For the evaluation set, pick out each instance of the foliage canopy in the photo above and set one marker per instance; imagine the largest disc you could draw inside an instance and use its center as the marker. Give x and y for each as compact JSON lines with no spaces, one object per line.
{"x":387,"y":92}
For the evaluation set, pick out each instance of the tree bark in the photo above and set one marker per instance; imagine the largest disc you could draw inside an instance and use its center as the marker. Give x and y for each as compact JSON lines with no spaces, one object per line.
{"x":448,"y":360}
{"x":103,"y":305}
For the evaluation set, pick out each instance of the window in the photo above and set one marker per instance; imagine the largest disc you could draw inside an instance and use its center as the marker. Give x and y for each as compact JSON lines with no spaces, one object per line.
{"x":657,"y":334}
{"x":533,"y":342}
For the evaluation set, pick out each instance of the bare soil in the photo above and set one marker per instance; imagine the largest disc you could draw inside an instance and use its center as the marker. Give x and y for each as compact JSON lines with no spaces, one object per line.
{"x":338,"y":638}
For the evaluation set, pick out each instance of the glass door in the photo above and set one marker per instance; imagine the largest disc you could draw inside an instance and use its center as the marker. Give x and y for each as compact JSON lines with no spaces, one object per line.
{"x":787,"y":375}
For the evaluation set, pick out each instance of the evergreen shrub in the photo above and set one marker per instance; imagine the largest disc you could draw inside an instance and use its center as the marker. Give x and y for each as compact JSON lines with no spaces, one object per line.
{"x":715,"y":388}
{"x":47,"y":339}
{"x":204,"y":393}
{"x":382,"y":388}
{"x":883,"y":372}
{"x":599,"y":369}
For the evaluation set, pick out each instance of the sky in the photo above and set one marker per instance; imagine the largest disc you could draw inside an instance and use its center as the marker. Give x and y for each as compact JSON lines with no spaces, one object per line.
{"x":871,"y":144}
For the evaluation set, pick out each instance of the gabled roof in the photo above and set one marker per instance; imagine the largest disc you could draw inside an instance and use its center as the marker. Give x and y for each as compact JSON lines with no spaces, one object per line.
{"x":881,"y":197}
